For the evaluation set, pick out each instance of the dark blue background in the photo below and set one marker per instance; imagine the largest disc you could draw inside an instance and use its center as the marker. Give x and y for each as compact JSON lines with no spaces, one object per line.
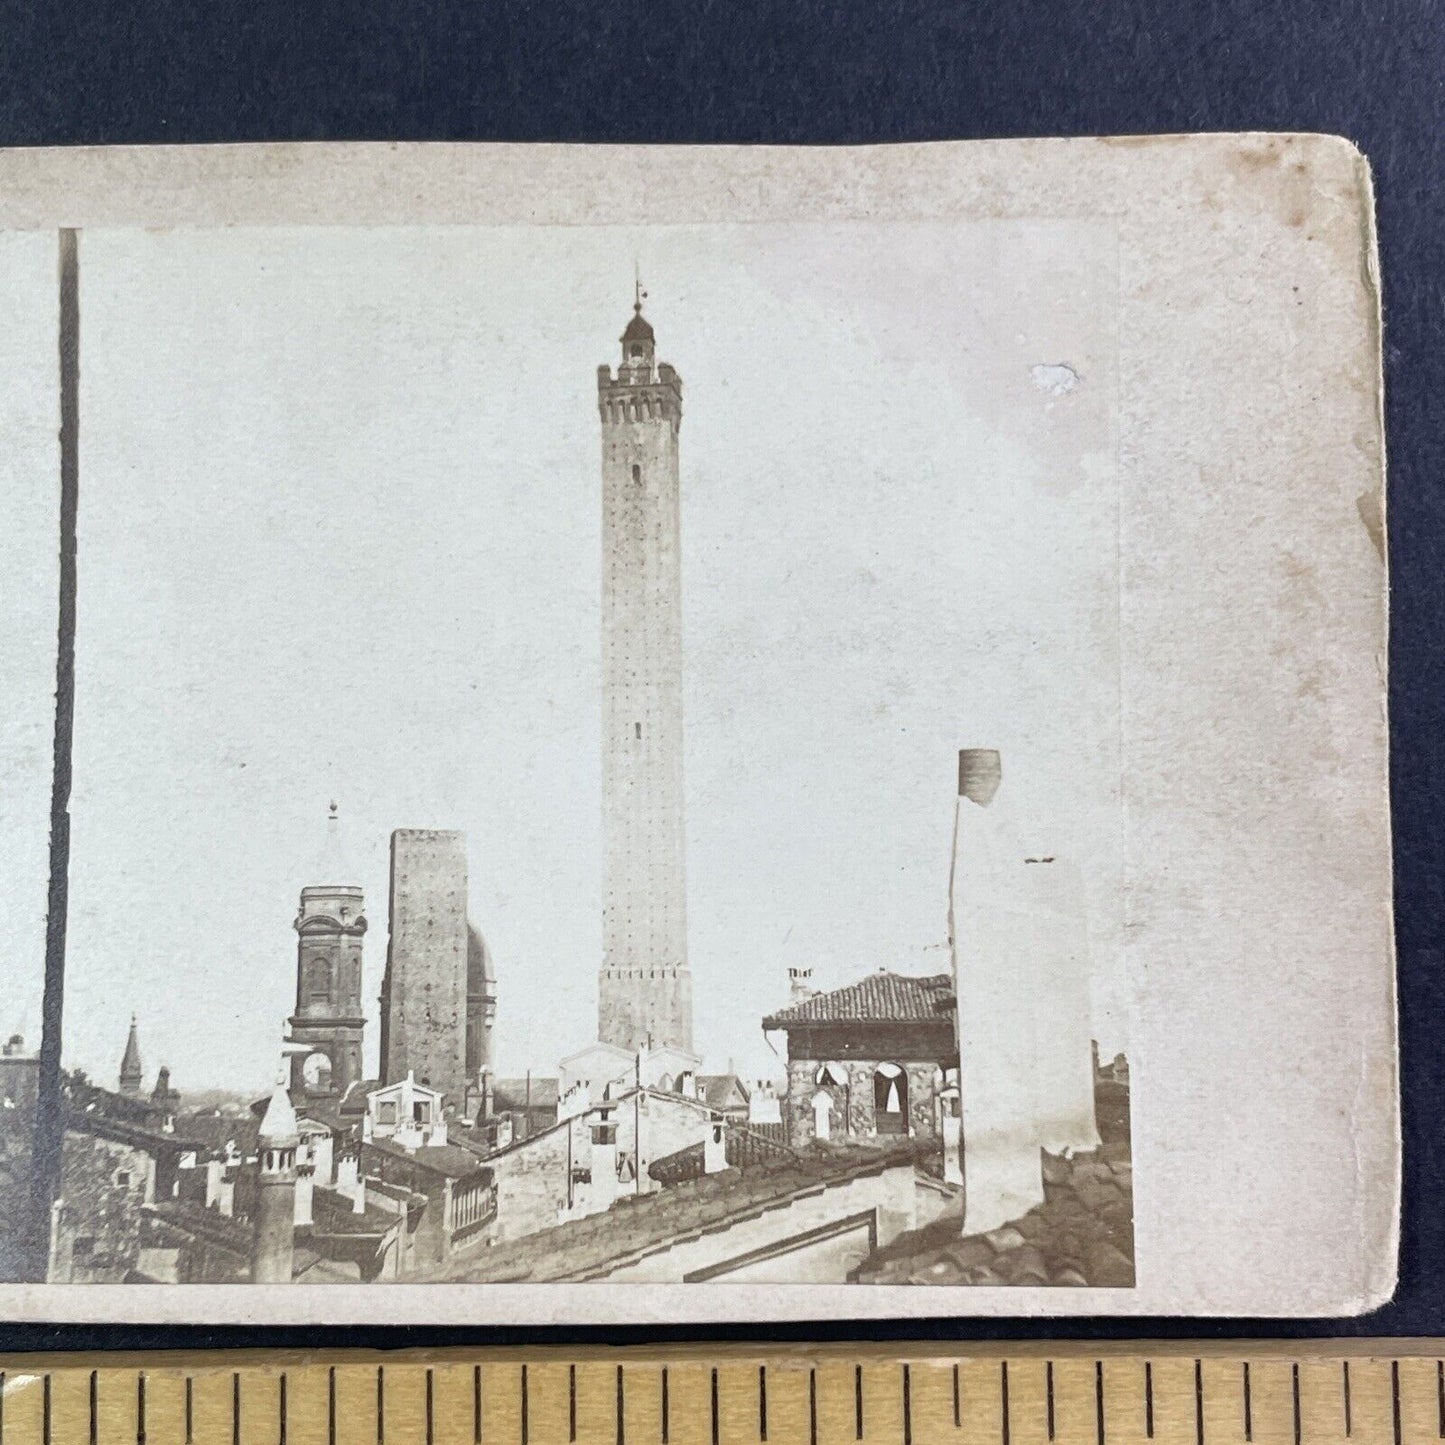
{"x":833,"y":71}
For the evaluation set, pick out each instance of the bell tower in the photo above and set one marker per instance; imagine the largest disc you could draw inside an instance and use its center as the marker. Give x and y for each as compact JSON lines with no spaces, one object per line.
{"x":645,"y":986}
{"x":328,"y":1022}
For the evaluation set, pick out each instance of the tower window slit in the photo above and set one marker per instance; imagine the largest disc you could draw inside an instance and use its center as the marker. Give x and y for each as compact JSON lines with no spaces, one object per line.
{"x":636,"y":472}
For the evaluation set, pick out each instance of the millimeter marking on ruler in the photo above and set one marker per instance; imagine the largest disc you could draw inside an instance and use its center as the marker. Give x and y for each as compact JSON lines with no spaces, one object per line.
{"x":738,"y":1397}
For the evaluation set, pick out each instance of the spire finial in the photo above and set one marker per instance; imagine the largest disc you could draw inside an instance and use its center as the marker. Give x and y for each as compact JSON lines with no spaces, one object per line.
{"x":639,"y":294}
{"x":333,"y":808}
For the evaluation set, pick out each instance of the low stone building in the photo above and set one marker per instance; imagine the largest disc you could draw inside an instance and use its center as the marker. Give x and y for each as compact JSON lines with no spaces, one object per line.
{"x":869,"y":1061}
{"x":19,"y":1076}
{"x":106,"y":1184}
{"x":459,"y":1190}
{"x":585,"y":1162}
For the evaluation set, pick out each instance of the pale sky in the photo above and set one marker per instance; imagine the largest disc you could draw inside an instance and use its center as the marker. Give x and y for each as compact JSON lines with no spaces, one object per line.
{"x":339,"y":538}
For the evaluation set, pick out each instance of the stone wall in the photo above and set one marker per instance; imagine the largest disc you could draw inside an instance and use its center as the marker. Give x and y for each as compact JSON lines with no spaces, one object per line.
{"x":96,"y":1233}
{"x":531,"y":1180}
{"x":853,"y":1111}
{"x":532,"y":1176}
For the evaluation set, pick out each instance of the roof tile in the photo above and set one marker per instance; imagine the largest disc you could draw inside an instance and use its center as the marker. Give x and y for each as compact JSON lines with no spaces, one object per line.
{"x":879,"y":998}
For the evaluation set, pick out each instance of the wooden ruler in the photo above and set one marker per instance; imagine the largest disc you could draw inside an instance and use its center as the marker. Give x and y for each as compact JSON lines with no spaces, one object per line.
{"x":1073,"y":1393}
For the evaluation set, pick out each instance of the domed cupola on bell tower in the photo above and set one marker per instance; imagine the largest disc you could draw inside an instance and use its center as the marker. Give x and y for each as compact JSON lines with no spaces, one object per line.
{"x":639,"y":347}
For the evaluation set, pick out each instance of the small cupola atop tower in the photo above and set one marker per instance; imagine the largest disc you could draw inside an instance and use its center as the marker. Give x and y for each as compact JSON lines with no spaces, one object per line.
{"x":332,"y":869}
{"x":639,"y":348}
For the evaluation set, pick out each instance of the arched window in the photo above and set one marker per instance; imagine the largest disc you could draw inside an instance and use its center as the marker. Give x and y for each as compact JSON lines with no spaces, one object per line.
{"x":890,"y":1099}
{"x":316,"y":1070}
{"x":636,"y":472}
{"x":822,"y":1106}
{"x":318,"y":979}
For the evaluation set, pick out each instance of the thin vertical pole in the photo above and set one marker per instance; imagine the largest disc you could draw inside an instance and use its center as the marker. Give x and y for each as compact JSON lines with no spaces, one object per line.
{"x":953,"y":956}
{"x":50,"y":1104}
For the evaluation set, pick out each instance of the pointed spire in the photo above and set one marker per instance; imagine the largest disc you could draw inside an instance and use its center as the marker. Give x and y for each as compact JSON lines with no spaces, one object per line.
{"x":278,"y":1124}
{"x":131,"y":1070}
{"x":331,"y":867}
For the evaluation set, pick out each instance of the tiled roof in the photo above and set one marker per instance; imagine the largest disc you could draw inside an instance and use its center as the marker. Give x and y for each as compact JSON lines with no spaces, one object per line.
{"x":639,"y":1225}
{"x":1081,"y":1235}
{"x":333,"y":1213}
{"x":215,"y":1131}
{"x":451,"y":1160}
{"x":715,"y":1090}
{"x":215,"y":1228}
{"x":880,"y":998}
{"x":122,"y":1131}
{"x":399,"y":1192}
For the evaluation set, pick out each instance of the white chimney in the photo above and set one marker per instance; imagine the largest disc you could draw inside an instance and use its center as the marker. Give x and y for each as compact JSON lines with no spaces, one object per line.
{"x":1020,"y":959}
{"x":214,"y":1170}
{"x":305,"y":1184}
{"x":602,"y":1192}
{"x":763,"y":1106}
{"x":358,"y":1200}
{"x":714,"y":1148}
{"x":346,"y":1172}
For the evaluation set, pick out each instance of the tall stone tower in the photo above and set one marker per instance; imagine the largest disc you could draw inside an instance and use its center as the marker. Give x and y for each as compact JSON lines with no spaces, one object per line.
{"x":424,"y":1001}
{"x":330,"y":925}
{"x":131,"y":1073}
{"x":274,"y":1242}
{"x":645,"y":987}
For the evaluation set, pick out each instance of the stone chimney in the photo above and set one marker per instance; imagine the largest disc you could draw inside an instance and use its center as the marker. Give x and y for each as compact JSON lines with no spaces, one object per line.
{"x":273,"y":1249}
{"x":800,"y":984}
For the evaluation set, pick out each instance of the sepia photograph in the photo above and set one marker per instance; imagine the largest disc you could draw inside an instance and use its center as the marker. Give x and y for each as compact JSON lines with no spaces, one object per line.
{"x":596,"y":758}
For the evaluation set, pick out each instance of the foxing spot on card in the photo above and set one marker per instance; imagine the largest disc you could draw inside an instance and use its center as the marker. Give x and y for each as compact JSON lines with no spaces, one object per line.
{"x":668,"y":734}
